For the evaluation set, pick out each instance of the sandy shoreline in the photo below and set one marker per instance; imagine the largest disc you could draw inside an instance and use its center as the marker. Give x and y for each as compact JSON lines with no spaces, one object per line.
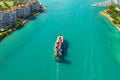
{"x":110,"y":19}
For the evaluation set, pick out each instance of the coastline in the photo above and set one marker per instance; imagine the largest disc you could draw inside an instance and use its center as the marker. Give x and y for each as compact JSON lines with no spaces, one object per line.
{"x":110,"y":19}
{"x":14,"y":28}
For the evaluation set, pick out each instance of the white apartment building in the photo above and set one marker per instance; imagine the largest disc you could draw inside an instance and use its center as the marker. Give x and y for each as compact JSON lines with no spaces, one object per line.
{"x":7,"y":18}
{"x":115,"y":1}
{"x":118,"y":1}
{"x":23,"y":11}
{"x":34,"y":5}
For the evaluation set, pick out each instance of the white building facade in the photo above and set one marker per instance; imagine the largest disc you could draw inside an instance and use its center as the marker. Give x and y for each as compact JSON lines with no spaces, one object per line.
{"x":34,"y":6}
{"x":22,"y":11}
{"x":115,"y":1}
{"x":9,"y":17}
{"x":118,"y":1}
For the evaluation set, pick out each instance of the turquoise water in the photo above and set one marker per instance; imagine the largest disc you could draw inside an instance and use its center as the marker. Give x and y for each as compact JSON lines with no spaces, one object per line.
{"x":92,"y":45}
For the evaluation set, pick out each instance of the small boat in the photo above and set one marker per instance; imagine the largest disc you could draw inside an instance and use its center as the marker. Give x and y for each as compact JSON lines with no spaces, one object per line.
{"x":58,"y":50}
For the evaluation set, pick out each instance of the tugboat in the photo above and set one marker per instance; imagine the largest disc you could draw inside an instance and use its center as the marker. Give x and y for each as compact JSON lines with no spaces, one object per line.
{"x":58,"y":50}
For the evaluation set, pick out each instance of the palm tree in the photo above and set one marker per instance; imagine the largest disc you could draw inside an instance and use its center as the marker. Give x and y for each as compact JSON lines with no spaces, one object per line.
{"x":14,"y":2}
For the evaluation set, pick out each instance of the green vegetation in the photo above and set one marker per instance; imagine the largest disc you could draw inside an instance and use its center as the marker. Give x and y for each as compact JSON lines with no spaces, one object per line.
{"x":6,"y":5}
{"x":114,"y":11}
{"x":5,"y":33}
{"x":19,"y":24}
{"x":32,"y":13}
{"x":16,"y":3}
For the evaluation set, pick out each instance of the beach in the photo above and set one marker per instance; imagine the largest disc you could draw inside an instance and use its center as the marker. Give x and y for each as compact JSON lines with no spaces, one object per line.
{"x":110,"y":19}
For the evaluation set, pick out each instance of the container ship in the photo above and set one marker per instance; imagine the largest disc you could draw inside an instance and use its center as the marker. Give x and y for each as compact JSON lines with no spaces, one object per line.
{"x":58,"y":50}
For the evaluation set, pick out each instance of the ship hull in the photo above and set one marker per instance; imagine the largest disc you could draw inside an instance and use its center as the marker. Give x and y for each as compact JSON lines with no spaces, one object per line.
{"x":58,"y":49}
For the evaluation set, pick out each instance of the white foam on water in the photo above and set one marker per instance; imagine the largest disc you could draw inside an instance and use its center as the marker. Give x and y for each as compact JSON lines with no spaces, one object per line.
{"x":57,"y":72}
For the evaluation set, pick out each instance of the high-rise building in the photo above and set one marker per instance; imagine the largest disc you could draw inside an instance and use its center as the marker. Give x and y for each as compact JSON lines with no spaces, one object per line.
{"x":115,"y":1}
{"x":118,"y":1}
